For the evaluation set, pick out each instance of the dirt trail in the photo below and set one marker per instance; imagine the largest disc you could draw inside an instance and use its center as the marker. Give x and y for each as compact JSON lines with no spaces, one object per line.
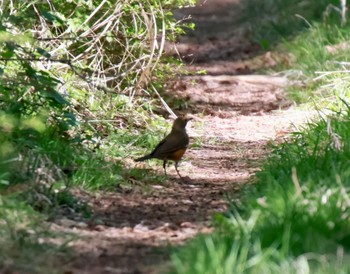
{"x":236,"y":115}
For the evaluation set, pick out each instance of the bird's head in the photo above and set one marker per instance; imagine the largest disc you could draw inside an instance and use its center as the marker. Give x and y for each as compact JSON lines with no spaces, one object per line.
{"x":181,"y":122}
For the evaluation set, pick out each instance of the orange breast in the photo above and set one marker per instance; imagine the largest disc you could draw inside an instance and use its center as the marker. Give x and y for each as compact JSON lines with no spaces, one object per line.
{"x":176,"y":156}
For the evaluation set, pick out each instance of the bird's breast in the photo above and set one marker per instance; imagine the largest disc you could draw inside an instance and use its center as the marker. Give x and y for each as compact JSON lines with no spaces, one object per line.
{"x":177,"y":155}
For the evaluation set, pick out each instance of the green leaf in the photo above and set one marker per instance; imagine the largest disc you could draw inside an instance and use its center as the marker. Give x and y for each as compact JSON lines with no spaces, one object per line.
{"x":52,"y":17}
{"x":43,"y":53}
{"x":70,"y":118}
{"x":54,"y":95}
{"x":7,"y":54}
{"x":4,"y":182}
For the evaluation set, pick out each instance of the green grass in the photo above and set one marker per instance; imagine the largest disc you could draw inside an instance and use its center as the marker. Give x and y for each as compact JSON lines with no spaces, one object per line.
{"x":37,"y":170}
{"x":296,"y":217}
{"x":309,"y":35}
{"x":26,"y":246}
{"x":310,"y":58}
{"x":272,"y":21}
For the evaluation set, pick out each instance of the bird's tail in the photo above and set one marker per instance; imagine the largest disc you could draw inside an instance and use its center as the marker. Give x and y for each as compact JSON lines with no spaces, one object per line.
{"x":146,"y":157}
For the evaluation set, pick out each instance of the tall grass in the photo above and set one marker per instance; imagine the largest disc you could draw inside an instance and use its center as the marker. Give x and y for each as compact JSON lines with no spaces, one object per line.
{"x":296,"y":217}
{"x":310,"y":35}
{"x":273,"y":21}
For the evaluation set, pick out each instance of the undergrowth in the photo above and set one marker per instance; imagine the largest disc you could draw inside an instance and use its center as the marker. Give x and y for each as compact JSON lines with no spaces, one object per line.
{"x":79,"y":85}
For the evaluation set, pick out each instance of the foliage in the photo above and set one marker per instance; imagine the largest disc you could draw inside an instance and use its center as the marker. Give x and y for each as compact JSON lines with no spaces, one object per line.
{"x":76,"y":81}
{"x":70,"y":73}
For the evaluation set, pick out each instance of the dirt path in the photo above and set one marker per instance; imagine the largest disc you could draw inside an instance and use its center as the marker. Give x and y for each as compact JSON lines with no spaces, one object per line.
{"x":236,"y":115}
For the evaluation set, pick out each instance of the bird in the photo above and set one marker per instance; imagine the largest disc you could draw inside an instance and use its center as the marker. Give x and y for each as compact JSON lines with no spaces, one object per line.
{"x":173,"y":146}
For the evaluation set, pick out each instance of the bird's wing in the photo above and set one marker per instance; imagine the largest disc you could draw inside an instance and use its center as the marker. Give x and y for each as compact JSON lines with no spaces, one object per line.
{"x":170,"y":144}
{"x":161,"y":143}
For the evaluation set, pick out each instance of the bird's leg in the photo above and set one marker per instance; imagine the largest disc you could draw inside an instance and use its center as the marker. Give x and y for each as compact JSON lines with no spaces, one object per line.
{"x":178,"y":173}
{"x":164,"y":166}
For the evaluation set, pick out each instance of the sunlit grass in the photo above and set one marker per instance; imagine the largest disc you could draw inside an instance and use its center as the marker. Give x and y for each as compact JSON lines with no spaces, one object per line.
{"x":296,"y":217}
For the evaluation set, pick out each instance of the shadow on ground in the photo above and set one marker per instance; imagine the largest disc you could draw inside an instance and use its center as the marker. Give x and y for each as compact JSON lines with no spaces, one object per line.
{"x":129,"y":233}
{"x":218,"y":34}
{"x":234,"y":119}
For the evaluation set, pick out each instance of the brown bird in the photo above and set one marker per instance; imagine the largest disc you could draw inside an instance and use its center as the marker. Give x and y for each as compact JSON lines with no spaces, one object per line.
{"x":173,"y":146}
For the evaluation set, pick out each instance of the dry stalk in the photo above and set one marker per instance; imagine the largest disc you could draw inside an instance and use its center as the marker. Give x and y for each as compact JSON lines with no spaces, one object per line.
{"x":102,"y":46}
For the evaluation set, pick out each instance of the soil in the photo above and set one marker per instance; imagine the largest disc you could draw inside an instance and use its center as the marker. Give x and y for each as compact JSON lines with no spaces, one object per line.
{"x":236,"y":113}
